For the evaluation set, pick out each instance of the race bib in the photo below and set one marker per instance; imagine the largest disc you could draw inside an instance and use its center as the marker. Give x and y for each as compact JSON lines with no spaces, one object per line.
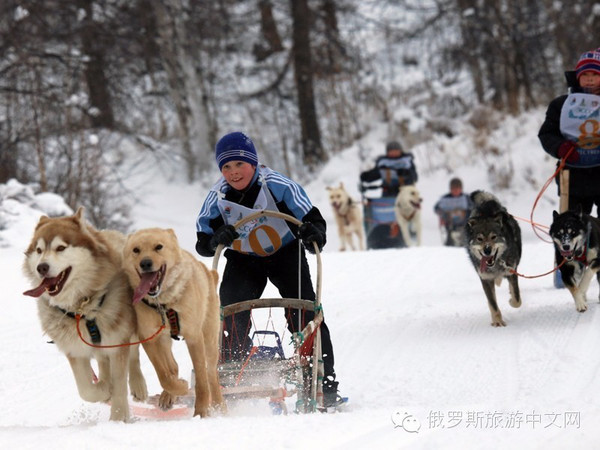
{"x":580,"y":123}
{"x":262,"y":236}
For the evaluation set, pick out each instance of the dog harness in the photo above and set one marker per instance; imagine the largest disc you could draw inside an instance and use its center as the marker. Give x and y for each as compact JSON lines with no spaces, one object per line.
{"x":90,"y":324}
{"x":345,"y":216}
{"x":410,"y":216}
{"x":582,"y":257}
{"x":171,"y":315}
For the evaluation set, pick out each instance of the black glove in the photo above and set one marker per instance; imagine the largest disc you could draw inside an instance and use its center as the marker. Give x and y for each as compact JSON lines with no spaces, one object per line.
{"x":224,"y":235}
{"x":309,"y":233}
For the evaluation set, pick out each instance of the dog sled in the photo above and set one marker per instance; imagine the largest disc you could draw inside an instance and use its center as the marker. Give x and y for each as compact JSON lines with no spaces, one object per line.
{"x":452,"y":230}
{"x":379,"y":218}
{"x":267,"y":372}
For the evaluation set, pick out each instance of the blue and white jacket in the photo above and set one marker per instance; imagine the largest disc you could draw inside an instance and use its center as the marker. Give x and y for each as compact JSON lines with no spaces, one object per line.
{"x":288,"y":196}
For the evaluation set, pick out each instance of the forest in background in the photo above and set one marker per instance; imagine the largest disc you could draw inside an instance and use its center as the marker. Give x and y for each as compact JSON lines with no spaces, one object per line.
{"x":85,"y":84}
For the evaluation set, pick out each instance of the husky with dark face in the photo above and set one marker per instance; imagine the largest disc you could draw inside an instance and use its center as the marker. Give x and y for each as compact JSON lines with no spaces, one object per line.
{"x":576,"y":238}
{"x":493,"y":240}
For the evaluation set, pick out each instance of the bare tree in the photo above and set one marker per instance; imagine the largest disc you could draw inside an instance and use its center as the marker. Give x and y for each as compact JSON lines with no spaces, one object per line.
{"x":271,"y":37}
{"x":179,"y":60}
{"x":313,"y":152}
{"x":101,"y":110}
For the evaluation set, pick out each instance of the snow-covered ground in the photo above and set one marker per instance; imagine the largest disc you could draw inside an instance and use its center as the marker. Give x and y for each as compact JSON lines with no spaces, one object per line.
{"x":414,"y":349}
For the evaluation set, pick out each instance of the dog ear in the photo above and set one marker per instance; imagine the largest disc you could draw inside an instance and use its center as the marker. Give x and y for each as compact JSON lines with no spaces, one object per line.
{"x":471,"y":222}
{"x":79,"y":219}
{"x":499,"y":217}
{"x":554,"y":215}
{"x":171,"y":231}
{"x":329,"y":188}
{"x":79,"y":213}
{"x":341,"y":185}
{"x":42,"y":221}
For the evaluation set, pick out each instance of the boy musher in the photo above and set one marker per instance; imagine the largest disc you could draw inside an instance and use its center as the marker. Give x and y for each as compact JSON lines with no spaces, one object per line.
{"x":245,"y":187}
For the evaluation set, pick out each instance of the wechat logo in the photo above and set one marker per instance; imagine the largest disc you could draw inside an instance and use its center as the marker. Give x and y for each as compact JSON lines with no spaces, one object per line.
{"x":407,"y":421}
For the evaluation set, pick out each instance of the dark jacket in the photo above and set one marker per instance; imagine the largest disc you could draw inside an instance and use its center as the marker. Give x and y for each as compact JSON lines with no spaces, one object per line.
{"x":391,"y":173}
{"x":583,"y":182}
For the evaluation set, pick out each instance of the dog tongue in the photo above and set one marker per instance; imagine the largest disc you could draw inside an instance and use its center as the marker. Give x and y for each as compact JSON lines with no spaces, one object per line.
{"x":36,"y":292}
{"x":147,"y":281}
{"x":483,"y":264}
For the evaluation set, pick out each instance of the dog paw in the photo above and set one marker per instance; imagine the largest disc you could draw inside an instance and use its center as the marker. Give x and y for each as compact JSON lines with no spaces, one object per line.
{"x":179,"y":387}
{"x":218,"y":408}
{"x":202,"y":412}
{"x":581,"y":307}
{"x":120,"y":414}
{"x":166,"y":400}
{"x":138,"y":389}
{"x":99,"y":392}
{"x":514,"y":303}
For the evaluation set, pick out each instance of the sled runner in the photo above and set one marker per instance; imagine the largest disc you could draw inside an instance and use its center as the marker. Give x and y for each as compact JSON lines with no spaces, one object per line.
{"x":265,"y":371}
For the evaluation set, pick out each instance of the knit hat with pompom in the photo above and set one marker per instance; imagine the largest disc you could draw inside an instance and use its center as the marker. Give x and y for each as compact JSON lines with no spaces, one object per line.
{"x":588,"y":62}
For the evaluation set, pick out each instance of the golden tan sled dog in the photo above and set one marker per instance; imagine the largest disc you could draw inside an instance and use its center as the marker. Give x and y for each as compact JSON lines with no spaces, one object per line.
{"x":172,"y":285}
{"x":77,"y":271}
{"x":408,"y":214}
{"x":348,"y":217}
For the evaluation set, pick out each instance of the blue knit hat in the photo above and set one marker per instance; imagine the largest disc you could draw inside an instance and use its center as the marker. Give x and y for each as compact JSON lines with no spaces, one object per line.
{"x":235,"y":146}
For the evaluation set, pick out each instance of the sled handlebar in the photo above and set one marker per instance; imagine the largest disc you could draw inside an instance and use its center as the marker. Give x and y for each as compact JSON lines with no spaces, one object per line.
{"x":278,"y":215}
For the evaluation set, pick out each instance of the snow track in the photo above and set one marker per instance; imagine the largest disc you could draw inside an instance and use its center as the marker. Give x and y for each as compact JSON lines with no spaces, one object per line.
{"x":411,"y":333}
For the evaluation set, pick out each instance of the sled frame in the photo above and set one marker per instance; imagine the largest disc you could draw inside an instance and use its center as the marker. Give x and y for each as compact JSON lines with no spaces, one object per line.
{"x":306,"y":373}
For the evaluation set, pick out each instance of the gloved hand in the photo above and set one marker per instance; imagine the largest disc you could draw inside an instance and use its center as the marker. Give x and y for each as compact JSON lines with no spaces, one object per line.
{"x":224,"y":235}
{"x":565,"y":147}
{"x":309,"y":234}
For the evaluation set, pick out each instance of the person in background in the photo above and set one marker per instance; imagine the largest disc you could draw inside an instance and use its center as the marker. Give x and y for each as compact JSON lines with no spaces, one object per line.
{"x":394,"y":169}
{"x":453,"y":209}
{"x":254,"y":257}
{"x":571,"y":129}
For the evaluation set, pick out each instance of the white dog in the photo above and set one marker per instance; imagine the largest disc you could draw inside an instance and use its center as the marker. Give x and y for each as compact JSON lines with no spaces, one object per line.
{"x":348,"y":216}
{"x":408,"y":214}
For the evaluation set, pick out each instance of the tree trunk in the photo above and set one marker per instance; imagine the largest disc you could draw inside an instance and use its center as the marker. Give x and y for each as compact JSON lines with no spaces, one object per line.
{"x":101,"y":113}
{"x":269,"y":32}
{"x":468,"y":21}
{"x":313,"y":152}
{"x":185,"y":84}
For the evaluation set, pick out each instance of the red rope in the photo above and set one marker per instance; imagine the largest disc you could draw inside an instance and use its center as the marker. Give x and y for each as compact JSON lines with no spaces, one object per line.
{"x":535,"y":226}
{"x":78,"y":318}
{"x":560,"y":167}
{"x":253,"y":350}
{"x":540,"y":275}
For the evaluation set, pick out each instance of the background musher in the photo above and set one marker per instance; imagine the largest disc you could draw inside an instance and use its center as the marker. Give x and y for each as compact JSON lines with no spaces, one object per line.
{"x":392,"y":170}
{"x":453,"y":210}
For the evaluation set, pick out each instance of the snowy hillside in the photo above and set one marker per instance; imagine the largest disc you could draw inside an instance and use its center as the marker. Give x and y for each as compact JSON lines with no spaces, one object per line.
{"x":410,"y":327}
